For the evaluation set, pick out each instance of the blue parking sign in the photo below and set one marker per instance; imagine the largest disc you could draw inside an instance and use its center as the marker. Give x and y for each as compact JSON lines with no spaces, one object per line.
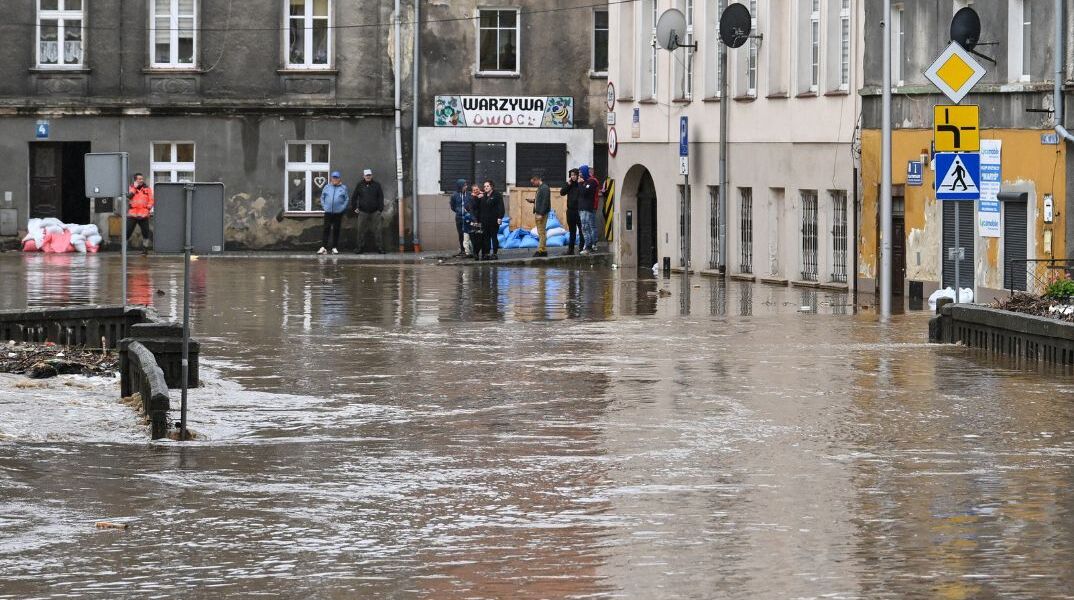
{"x":958,"y":176}
{"x":684,"y":137}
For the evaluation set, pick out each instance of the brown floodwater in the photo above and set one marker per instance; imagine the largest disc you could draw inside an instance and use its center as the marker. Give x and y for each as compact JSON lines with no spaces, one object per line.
{"x":420,"y":431}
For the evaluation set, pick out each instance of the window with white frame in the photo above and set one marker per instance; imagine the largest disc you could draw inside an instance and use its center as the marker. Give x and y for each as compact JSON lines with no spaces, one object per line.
{"x":844,"y":45}
{"x":896,"y":44}
{"x":1027,"y":30}
{"x":714,"y":9}
{"x":171,"y":162}
{"x":59,"y":33}
{"x":600,"y":42}
{"x":309,"y":34}
{"x":814,"y":46}
{"x":172,"y":27}
{"x":652,"y":48}
{"x":751,"y":66}
{"x":497,"y":41}
{"x":688,"y":76}
{"x":307,"y":173}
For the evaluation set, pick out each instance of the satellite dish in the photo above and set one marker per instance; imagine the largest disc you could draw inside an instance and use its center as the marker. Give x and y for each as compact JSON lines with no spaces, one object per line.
{"x":966,"y":28}
{"x":735,"y":25}
{"x":671,"y":29}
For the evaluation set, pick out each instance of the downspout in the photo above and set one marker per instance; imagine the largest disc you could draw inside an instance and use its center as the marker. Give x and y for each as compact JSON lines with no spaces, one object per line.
{"x":1060,"y":75}
{"x":415,"y":106}
{"x":399,"y":128}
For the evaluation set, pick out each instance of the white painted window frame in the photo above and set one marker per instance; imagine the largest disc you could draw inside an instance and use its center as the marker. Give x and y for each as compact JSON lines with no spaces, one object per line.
{"x":753,"y":51}
{"x":306,"y":168}
{"x":593,"y":49}
{"x":518,"y":39}
{"x":61,"y":16}
{"x":173,"y":36}
{"x":845,"y":50}
{"x":814,"y":46}
{"x":173,"y":166}
{"x":896,"y":18}
{"x":307,"y":39}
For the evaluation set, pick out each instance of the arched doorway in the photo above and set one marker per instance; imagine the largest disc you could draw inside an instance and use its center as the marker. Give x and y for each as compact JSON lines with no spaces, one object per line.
{"x":646,"y":216}
{"x":636,"y":229}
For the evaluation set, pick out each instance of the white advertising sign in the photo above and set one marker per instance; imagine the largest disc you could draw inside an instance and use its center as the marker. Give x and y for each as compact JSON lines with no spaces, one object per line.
{"x":555,"y":112}
{"x":988,"y":223}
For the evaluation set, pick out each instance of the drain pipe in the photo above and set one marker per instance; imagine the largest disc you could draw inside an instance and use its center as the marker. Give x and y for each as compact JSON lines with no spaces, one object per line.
{"x":415,"y":106}
{"x":399,"y":129}
{"x":1060,"y":74}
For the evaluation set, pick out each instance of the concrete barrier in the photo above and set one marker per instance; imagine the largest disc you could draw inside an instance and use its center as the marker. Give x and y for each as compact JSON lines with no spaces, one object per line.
{"x":87,"y":326}
{"x":1004,"y":332}
{"x":141,"y":374}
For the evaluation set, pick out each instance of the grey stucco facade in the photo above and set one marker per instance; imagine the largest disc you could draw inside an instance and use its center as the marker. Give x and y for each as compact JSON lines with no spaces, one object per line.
{"x":239,"y":103}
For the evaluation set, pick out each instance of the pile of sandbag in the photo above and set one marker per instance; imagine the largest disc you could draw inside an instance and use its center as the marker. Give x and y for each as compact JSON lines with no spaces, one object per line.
{"x":523,"y":238}
{"x":54,"y":236}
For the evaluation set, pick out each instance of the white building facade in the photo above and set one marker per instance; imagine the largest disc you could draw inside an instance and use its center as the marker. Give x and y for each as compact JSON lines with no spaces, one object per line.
{"x":794,"y":112}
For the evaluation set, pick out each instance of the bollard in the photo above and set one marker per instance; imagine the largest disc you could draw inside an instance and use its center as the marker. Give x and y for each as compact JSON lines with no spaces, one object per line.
{"x":941,"y":302}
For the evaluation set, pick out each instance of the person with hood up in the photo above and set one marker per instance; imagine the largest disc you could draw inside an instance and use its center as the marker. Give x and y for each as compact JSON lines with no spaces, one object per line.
{"x":139,"y":209}
{"x":458,"y":206}
{"x":587,"y":208}
{"x":334,"y":200}
{"x":573,"y":191}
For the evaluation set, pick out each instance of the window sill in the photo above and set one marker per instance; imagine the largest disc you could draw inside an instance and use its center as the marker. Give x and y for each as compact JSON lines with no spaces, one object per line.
{"x":60,"y":69}
{"x":183,"y":70}
{"x":807,"y":94}
{"x":598,"y":74}
{"x":711,"y":99}
{"x":746,"y":98}
{"x":647,"y":101}
{"x":625,"y":99}
{"x":497,"y":75}
{"x":307,"y":71}
{"x":778,"y":96}
{"x":682,"y":100}
{"x":303,"y":214}
{"x":837,"y":93}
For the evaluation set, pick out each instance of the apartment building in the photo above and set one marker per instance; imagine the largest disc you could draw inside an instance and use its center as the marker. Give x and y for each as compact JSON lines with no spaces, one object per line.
{"x":1016,"y":127}
{"x":793,"y":111}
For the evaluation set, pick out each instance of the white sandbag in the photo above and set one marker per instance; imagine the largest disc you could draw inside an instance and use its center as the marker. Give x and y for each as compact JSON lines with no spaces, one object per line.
{"x":46,"y":222}
{"x":77,"y":237}
{"x":90,"y":230}
{"x":533,"y":232}
{"x":33,"y":224}
{"x":965,"y":295}
{"x":29,"y":236}
{"x":54,"y":229}
{"x":80,"y":245}
{"x":556,"y":231}
{"x":95,"y":239}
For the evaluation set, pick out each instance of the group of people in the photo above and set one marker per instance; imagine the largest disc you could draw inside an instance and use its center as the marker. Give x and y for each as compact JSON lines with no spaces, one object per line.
{"x":367,"y":201}
{"x":479,"y":211}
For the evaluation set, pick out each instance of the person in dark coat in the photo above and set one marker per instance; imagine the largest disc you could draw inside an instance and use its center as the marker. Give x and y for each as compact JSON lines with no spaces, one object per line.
{"x":458,"y":206}
{"x":573,"y":191}
{"x":490,"y":212}
{"x":368,"y":203}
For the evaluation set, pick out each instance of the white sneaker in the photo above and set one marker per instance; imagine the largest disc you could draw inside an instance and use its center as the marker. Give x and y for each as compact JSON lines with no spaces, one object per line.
{"x":322,"y":251}
{"x":335,"y":251}
{"x":586,"y":251}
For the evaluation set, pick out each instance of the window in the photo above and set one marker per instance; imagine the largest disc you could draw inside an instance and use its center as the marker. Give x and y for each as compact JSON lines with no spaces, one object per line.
{"x":647,"y":44}
{"x":814,"y":46}
{"x":309,"y":31}
{"x":715,"y":260}
{"x":844,"y":45}
{"x":59,"y":33}
{"x":497,"y":41}
{"x":684,"y":226}
{"x":839,"y":236}
{"x":714,"y":50}
{"x":684,"y":63}
{"x":809,"y":235}
{"x":550,"y":160}
{"x":745,"y":232}
{"x":1027,"y":49}
{"x":172,"y":24}
{"x":896,"y":45}
{"x":171,"y":162}
{"x":474,"y":162}
{"x":307,"y":172}
{"x":600,"y":42}
{"x":751,"y":66}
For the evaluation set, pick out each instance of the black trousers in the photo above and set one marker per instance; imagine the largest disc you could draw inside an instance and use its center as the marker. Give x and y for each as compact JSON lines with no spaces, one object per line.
{"x":333,"y":223}
{"x":142,"y":224}
{"x":488,"y":242}
{"x":574,"y":225}
{"x":493,"y":232}
{"x":458,"y":227}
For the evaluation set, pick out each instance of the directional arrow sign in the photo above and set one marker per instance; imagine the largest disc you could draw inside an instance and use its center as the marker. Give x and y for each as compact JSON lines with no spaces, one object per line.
{"x":955,"y":72}
{"x":958,"y":176}
{"x":957,"y":128}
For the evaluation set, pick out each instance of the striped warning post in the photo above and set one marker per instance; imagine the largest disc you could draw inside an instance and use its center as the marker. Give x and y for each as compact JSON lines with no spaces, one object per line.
{"x":609,"y":207}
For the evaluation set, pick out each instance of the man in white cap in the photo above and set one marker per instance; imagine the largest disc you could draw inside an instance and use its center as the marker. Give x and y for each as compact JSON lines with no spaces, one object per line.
{"x":368,"y":203}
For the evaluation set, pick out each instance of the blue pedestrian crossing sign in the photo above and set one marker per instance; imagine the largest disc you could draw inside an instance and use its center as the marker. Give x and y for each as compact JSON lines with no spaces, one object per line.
{"x":958,"y":176}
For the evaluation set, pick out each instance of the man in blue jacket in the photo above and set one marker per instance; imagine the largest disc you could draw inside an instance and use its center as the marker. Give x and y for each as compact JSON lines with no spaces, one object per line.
{"x":334,"y":201}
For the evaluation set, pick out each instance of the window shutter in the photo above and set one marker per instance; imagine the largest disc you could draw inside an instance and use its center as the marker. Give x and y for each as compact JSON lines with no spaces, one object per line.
{"x":550,"y":160}
{"x":456,"y":162}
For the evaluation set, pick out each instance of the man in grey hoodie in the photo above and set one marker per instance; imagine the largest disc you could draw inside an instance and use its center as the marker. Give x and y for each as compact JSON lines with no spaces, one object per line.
{"x":542,"y":205}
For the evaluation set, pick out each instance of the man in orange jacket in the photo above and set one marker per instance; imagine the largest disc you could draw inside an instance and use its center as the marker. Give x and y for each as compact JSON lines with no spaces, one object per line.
{"x":139,"y":209}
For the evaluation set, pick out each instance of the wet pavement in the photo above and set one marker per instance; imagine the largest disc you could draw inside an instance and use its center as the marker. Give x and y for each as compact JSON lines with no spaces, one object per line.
{"x":409,"y":431}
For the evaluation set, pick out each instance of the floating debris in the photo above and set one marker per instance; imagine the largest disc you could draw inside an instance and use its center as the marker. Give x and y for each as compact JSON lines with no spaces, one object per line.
{"x":1031,"y":304}
{"x":42,"y":361}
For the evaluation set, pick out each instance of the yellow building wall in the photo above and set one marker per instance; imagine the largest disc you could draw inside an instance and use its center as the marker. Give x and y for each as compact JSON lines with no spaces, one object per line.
{"x":1024,"y":160}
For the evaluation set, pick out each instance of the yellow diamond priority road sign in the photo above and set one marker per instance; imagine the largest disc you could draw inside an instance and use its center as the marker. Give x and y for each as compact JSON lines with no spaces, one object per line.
{"x":955,"y":72}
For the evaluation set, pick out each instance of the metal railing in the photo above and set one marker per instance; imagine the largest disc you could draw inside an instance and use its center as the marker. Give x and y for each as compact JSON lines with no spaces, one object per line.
{"x":1036,"y":274}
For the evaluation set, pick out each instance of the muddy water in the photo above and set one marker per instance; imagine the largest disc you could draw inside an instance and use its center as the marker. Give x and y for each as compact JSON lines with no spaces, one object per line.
{"x":425,"y":432}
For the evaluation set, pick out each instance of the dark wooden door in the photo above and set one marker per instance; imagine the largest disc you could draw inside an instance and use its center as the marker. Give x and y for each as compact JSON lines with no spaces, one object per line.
{"x":647,"y":231}
{"x":46,"y":192}
{"x":898,"y":254}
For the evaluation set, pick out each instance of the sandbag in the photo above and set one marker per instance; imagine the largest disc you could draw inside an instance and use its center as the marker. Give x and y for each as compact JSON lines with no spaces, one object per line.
{"x":50,"y":221}
{"x":553,"y":221}
{"x":556,"y":232}
{"x":54,"y":229}
{"x":58,"y":243}
{"x":34,"y":223}
{"x":90,"y":230}
{"x":557,"y":240}
{"x":92,"y":248}
{"x":528,"y":242}
{"x":94,"y":239}
{"x":29,"y":245}
{"x":79,"y":246}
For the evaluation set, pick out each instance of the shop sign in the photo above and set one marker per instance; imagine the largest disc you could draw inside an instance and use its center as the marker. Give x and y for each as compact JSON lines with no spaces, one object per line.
{"x":988,"y":223}
{"x":555,"y":112}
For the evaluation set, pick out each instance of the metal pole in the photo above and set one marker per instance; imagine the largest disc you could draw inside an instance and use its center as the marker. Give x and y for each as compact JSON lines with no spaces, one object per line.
{"x":123,"y":212}
{"x":686,"y":217}
{"x":958,"y":250}
{"x":885,"y":172}
{"x":415,"y":106}
{"x":725,"y":193}
{"x":189,"y":201}
{"x":399,"y":124}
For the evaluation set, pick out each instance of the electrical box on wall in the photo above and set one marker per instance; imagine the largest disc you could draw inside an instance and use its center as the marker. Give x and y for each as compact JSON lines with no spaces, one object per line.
{"x":1049,"y":211}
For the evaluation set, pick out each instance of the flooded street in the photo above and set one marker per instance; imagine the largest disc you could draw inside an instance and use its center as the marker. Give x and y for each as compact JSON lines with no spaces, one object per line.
{"x":414,"y":431}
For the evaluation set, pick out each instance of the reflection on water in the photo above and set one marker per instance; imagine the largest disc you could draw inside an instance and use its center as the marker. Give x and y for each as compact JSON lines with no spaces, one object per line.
{"x":480,"y":432}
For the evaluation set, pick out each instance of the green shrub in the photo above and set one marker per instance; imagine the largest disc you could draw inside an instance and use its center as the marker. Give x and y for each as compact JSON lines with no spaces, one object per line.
{"x":1060,"y":290}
